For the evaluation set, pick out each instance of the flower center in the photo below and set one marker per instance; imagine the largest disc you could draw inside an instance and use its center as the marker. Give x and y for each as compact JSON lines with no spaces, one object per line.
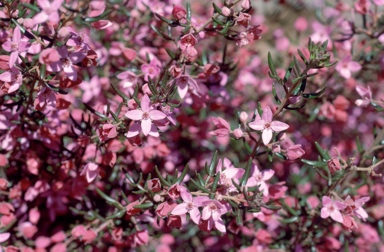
{"x":14,"y":46}
{"x":212,"y":207}
{"x":267,"y":125}
{"x":145,"y":115}
{"x":66,"y":62}
{"x":190,"y":206}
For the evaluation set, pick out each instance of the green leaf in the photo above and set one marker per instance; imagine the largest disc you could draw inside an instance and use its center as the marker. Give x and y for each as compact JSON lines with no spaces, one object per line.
{"x":164,"y":36}
{"x":95,"y":112}
{"x":217,"y":9}
{"x":199,"y":186}
{"x":163,"y":19}
{"x":118,"y":215}
{"x":271,"y":66}
{"x":277,"y":99}
{"x":109,"y":200}
{"x":212,"y":165}
{"x":289,"y":220}
{"x":119,"y":93}
{"x":144,"y":205}
{"x":182,"y":176}
{"x":161,"y":177}
{"x":301,"y":54}
{"x":288,"y":72}
{"x":170,"y":53}
{"x":215,"y":182}
{"x":239,"y":217}
{"x":359,"y":146}
{"x":245,"y":177}
{"x":102,"y":16}
{"x":322,"y":152}
{"x":314,"y":163}
{"x":316,"y":94}
{"x":31,"y":7}
{"x":189,"y":12}
{"x":217,"y":21}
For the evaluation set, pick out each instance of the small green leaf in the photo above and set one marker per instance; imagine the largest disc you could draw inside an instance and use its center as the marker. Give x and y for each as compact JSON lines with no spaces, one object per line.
{"x":314,"y":163}
{"x":277,"y":99}
{"x":95,"y":112}
{"x":119,"y":93}
{"x":245,"y":177}
{"x":212,"y":165}
{"x":288,"y":72}
{"x":271,"y":66}
{"x":359,"y":146}
{"x":144,"y":205}
{"x":102,"y":16}
{"x":189,"y":12}
{"x":161,"y":177}
{"x":170,"y":53}
{"x":239,"y":217}
{"x":301,"y":54}
{"x":322,"y":152}
{"x":215,"y":182}
{"x":217,"y":21}
{"x":31,"y":7}
{"x":217,"y":9}
{"x":199,"y":186}
{"x":182,"y":176}
{"x":316,"y":94}
{"x":164,"y":36}
{"x":289,"y":220}
{"x":163,"y":19}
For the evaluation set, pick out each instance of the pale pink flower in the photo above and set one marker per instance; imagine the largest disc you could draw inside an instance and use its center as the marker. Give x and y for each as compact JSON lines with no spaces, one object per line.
{"x":147,"y":114}
{"x":190,"y":205}
{"x":245,"y":4}
{"x":332,"y":208}
{"x":4,"y":237}
{"x":366,"y":95}
{"x":91,"y":171}
{"x":227,"y":173}
{"x":222,"y":125}
{"x":295,"y":152}
{"x":258,"y":178}
{"x":183,"y":82}
{"x":68,"y":60}
{"x":49,"y":12}
{"x":91,"y":88}
{"x":267,"y":126}
{"x":15,"y":46}
{"x":378,"y":2}
{"x":212,"y":212}
{"x":346,"y":67}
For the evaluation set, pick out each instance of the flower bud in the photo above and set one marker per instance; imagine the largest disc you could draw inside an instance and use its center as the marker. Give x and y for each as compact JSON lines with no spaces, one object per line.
{"x":243,"y":117}
{"x":238,"y":133}
{"x":226,"y":11}
{"x":154,"y":185}
{"x":245,"y":4}
{"x":334,"y":164}
{"x":179,"y":13}
{"x":295,"y":152}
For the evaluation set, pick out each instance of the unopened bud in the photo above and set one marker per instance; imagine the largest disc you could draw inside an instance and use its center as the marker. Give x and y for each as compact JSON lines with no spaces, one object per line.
{"x":238,"y":133}
{"x":245,"y":4}
{"x":243,"y":117}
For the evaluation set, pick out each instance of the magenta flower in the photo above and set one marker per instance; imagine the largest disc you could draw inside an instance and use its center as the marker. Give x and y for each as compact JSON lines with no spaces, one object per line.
{"x":347,"y":66}
{"x":190,"y":205}
{"x":49,"y":12}
{"x":267,"y":126}
{"x":15,"y":46}
{"x":332,"y":208}
{"x":147,"y":114}
{"x":258,"y":178}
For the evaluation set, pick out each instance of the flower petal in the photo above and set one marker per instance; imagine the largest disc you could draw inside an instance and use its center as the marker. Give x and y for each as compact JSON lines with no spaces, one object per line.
{"x":336,"y":216}
{"x":156,"y":115}
{"x":257,"y":124}
{"x":279,"y":126}
{"x":146,"y":126}
{"x":206,"y":213}
{"x":267,"y":136}
{"x":145,"y":103}
{"x":135,"y":115}
{"x":267,"y":114}
{"x":180,"y":209}
{"x":195,"y":215}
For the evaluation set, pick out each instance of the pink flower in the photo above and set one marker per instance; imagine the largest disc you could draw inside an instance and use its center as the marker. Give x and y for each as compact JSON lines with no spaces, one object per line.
{"x":332,"y":208}
{"x":355,"y":207}
{"x":212,"y":212}
{"x":91,"y":171}
{"x":151,"y":70}
{"x":366,"y":95}
{"x":49,"y":12}
{"x":179,"y":13}
{"x":91,"y":88}
{"x":12,"y":80}
{"x":68,"y":60}
{"x":227,"y":173}
{"x":258,"y":178}
{"x":347,"y":66}
{"x":146,"y":115}
{"x":16,"y":46}
{"x":267,"y":126}
{"x":182,"y":82}
{"x":222,"y":125}
{"x":295,"y":152}
{"x":191,"y":205}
